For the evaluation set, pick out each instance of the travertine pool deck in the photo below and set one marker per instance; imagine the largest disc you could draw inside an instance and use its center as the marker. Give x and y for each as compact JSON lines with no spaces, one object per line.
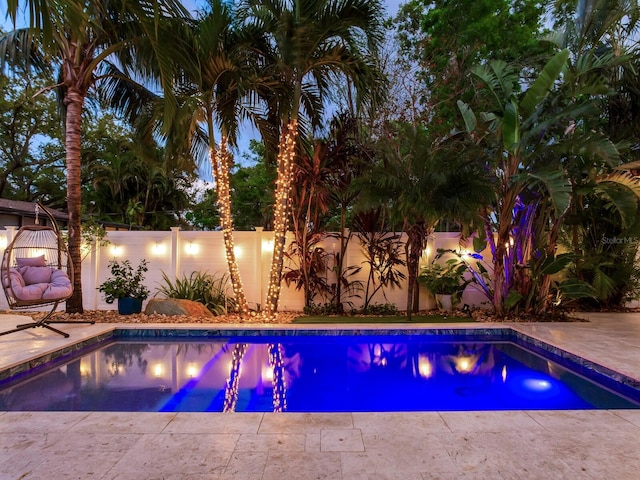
{"x":590,"y":444}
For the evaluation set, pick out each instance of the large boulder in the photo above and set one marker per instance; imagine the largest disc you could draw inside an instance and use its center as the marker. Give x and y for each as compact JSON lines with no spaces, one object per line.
{"x":176,"y":306}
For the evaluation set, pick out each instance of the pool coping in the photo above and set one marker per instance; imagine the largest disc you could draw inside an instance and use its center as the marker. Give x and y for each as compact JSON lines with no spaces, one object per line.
{"x":610,"y":378}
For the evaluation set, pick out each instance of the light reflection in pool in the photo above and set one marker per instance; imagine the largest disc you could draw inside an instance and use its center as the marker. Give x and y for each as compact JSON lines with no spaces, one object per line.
{"x":309,"y":374}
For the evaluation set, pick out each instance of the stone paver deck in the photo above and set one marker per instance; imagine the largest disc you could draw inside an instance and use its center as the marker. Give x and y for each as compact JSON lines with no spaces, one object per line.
{"x":590,"y":444}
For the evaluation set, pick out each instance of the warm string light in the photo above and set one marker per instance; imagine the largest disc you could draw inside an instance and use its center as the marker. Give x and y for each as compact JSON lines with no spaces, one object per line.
{"x":221,"y":165}
{"x":286,"y":162}
{"x":231,"y":390}
{"x":276,"y":361}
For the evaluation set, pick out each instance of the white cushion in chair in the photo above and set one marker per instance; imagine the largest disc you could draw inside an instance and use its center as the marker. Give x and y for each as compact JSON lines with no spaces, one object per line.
{"x":33,"y":275}
{"x":57,"y":286}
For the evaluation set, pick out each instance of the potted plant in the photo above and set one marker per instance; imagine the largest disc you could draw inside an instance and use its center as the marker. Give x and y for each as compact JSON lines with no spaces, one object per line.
{"x":446,"y":281}
{"x":126,"y":285}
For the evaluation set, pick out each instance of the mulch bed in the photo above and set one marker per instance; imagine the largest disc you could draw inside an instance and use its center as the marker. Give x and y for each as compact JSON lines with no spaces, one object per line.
{"x":112,"y":316}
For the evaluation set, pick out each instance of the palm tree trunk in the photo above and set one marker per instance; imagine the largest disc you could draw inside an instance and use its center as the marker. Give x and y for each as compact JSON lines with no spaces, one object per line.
{"x":417,"y":235}
{"x":306,"y":254}
{"x":286,"y":157}
{"x":74,"y":101}
{"x":220,"y":163}
{"x":340,"y":262}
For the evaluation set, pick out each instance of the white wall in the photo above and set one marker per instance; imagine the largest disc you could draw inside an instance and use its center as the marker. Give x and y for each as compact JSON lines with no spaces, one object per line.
{"x":179,"y":253}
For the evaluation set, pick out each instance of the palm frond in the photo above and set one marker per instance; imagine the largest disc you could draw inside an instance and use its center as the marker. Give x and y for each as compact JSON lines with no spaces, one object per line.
{"x":622,"y":193}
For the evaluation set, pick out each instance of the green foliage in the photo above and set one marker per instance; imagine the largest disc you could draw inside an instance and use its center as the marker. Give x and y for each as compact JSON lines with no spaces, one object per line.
{"x":94,"y":236}
{"x":31,"y":151}
{"x":251,"y":195}
{"x":447,"y":279}
{"x":131,"y":181}
{"x":125,"y":281}
{"x":210,"y":290}
{"x":204,"y":214}
{"x":321,"y":309}
{"x":380,"y":309}
{"x":350,"y":286}
{"x":537,"y":156}
{"x":308,"y":268}
{"x":418,"y":183}
{"x":480,"y":271}
{"x":604,"y":235}
{"x":383,"y":255}
{"x":451,"y":37}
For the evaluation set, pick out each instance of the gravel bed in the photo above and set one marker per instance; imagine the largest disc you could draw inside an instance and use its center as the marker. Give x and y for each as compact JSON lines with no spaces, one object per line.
{"x":112,"y":316}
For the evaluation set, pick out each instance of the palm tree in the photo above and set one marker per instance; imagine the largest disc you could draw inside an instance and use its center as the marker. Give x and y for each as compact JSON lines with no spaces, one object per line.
{"x":311,"y":45}
{"x":90,"y":42}
{"x":420,"y":183}
{"x":213,"y":74}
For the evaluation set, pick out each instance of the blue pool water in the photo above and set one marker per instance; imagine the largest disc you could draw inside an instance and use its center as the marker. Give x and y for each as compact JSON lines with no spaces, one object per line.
{"x":309,"y":374}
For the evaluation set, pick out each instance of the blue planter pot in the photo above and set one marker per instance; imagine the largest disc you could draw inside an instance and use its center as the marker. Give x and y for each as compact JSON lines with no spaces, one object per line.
{"x":129,"y":305}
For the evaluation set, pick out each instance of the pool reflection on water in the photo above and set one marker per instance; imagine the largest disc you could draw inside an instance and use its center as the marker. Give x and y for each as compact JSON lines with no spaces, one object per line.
{"x":310,"y":374}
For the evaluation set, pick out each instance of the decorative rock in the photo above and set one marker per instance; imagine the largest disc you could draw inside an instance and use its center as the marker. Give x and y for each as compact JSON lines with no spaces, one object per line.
{"x":176,"y":306}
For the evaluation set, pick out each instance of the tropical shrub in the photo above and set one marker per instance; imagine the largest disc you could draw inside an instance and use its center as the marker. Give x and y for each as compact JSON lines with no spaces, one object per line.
{"x":321,"y":309}
{"x":383,"y":255}
{"x":445,"y":279}
{"x":210,"y":290}
{"x":124,"y":281}
{"x":380,"y":309}
{"x":308,"y":267}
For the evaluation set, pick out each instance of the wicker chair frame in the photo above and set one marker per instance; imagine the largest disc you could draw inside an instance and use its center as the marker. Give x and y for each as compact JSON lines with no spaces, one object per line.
{"x":33,"y":241}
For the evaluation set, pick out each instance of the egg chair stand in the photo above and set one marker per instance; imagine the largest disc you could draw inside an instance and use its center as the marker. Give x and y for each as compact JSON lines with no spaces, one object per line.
{"x":37,"y":271}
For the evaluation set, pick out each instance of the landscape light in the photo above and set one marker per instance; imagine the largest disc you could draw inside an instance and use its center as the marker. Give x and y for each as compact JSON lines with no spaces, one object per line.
{"x":159,"y":248}
{"x":192,"y":370}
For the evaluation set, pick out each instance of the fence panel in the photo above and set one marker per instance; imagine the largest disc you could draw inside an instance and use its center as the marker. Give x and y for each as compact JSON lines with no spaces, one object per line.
{"x":179,"y":253}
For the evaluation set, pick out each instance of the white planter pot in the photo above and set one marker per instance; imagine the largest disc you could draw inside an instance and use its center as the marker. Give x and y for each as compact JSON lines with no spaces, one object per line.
{"x":444,"y":302}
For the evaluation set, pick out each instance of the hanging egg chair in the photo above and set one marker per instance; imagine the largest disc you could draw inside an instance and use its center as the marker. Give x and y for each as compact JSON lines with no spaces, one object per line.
{"x":37,"y":271}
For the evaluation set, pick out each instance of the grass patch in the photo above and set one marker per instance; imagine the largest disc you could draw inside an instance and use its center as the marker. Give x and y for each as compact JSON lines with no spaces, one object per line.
{"x":337,"y":319}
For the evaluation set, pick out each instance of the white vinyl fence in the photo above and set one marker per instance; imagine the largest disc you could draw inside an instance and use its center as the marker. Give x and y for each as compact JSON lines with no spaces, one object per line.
{"x":179,"y":253}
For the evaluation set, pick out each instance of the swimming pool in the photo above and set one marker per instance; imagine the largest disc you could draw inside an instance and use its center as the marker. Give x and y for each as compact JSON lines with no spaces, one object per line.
{"x":313,"y":371}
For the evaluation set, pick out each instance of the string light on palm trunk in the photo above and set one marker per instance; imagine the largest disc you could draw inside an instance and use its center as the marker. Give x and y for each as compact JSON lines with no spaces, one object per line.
{"x":221,"y":166}
{"x":233,"y":383}
{"x":286,"y":161}
{"x":276,"y":361}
